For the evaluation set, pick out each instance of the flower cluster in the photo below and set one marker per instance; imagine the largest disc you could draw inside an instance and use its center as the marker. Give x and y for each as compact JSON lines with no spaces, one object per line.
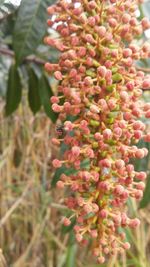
{"x":100,"y":89}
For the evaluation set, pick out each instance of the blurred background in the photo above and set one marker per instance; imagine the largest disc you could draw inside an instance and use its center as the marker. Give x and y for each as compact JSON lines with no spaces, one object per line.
{"x":31,"y":233}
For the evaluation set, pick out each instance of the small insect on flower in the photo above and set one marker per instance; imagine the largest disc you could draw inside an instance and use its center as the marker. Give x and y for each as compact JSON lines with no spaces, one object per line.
{"x":60,"y":129}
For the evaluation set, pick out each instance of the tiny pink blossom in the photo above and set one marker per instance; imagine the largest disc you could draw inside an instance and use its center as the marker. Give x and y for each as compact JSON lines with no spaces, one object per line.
{"x":56,"y":163}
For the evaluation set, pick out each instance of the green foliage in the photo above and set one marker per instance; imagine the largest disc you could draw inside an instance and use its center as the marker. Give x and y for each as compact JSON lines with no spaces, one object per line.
{"x":45,"y":93}
{"x":143,"y":165}
{"x":21,"y":34}
{"x":33,"y":93}
{"x":14,"y":89}
{"x":71,"y":252}
{"x":30,"y":27}
{"x":146,"y":198}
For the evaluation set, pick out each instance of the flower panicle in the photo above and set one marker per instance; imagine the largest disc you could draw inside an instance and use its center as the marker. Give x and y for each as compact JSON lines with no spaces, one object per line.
{"x":101,"y":90}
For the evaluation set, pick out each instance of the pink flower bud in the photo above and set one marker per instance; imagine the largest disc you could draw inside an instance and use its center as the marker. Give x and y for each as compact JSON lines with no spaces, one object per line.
{"x":134,"y":223}
{"x":146,"y":84}
{"x":103,"y":213}
{"x":92,"y":5}
{"x":130,"y":86}
{"x":105,"y":163}
{"x":103,"y":104}
{"x":56,"y":108}
{"x":130,"y":168}
{"x":126,"y":18}
{"x":77,"y":11}
{"x":66,"y":222}
{"x":51,"y":10}
{"x":98,"y":136}
{"x":101,"y":30}
{"x":138,"y":194}
{"x":68,"y":125}
{"x":79,"y":238}
{"x":106,"y":250}
{"x":117,"y":132}
{"x":101,"y":260}
{"x":119,"y":164}
{"x":139,"y":154}
{"x":107,"y":134}
{"x":127,"y":52}
{"x":75,"y":151}
{"x":58,"y":75}
{"x":89,"y":38}
{"x":102,"y":71}
{"x":141,"y":176}
{"x":82,"y":51}
{"x":147,"y":138}
{"x":147,"y":114}
{"x":126,"y":246}
{"x":60,"y":184}
{"x":54,"y":99}
{"x":112,"y":22}
{"x":93,"y":233}
{"x":145,"y":23}
{"x":50,"y":67}
{"x":56,"y":163}
{"x":94,"y":109}
{"x":119,"y":189}
{"x":91,"y":21}
{"x":90,"y":153}
{"x":138,"y":134}
{"x":147,"y":106}
{"x":140,"y":186}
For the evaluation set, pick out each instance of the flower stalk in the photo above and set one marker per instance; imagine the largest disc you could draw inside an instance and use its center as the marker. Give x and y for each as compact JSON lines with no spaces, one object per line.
{"x":102,"y":90}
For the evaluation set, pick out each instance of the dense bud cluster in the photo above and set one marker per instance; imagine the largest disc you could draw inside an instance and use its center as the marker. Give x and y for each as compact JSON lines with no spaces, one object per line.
{"x":101,"y":91}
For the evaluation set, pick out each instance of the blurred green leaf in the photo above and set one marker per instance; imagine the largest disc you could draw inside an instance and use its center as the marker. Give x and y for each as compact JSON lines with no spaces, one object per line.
{"x":33,"y":94}
{"x":71,"y":252}
{"x":6,"y":29}
{"x":14,"y":90}
{"x":146,"y":198}
{"x":30,"y":27}
{"x":71,"y":256}
{"x":142,"y":164}
{"x":17,"y":157}
{"x":45,"y":93}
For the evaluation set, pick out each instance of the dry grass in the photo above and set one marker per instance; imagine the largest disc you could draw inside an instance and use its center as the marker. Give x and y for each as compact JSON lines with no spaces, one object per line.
{"x":30,"y":211}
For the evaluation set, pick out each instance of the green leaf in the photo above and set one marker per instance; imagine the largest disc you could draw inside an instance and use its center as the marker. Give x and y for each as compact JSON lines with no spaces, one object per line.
{"x":146,"y":198}
{"x":71,"y":252}
{"x":30,"y":27}
{"x":45,"y":94}
{"x":33,"y":94}
{"x":14,"y":90}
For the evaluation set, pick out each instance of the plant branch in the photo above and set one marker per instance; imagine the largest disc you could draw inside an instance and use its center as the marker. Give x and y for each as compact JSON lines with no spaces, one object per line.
{"x":33,"y":59}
